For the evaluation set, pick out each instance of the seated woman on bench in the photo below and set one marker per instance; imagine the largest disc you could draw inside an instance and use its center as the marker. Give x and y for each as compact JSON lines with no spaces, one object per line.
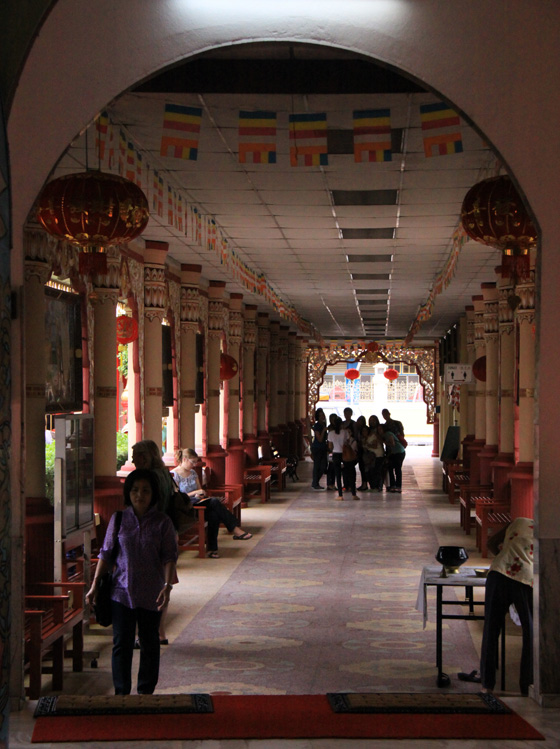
{"x":188,"y":483}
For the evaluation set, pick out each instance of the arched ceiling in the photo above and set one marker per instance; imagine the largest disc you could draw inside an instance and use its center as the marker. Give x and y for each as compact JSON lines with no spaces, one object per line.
{"x":354,"y":248}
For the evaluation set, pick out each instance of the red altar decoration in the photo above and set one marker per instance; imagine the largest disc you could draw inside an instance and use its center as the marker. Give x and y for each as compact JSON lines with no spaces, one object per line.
{"x":228,"y":367}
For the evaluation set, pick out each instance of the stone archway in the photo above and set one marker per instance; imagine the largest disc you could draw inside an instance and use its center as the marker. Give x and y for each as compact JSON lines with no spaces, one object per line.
{"x":433,"y":41}
{"x":422,"y":358}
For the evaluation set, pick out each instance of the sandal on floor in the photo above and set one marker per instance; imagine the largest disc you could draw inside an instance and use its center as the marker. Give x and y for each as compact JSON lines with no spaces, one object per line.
{"x":213,"y":555}
{"x":473,"y":676}
{"x":243,"y":537}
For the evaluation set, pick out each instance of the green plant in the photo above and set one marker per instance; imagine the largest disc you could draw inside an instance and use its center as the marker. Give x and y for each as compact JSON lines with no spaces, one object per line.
{"x":123,"y":361}
{"x":49,"y":471}
{"x":122,"y":449}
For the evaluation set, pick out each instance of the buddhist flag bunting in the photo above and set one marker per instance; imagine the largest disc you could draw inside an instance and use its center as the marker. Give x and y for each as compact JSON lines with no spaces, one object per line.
{"x":180,"y":212}
{"x":130,"y":162}
{"x":441,"y":129}
{"x":122,"y":152}
{"x":372,"y":135}
{"x":308,"y":140}
{"x":257,"y":137}
{"x":111,"y":158}
{"x":101,"y":128}
{"x":139,"y":169}
{"x":181,"y":130}
{"x":160,"y":197}
{"x":155,"y":188}
{"x":170,"y":206}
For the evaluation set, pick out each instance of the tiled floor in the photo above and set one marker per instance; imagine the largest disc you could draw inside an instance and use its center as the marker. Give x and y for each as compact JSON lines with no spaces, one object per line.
{"x":201,"y":580}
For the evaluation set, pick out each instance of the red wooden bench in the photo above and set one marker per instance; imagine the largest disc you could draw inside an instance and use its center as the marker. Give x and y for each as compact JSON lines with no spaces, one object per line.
{"x":256,"y":482}
{"x":491,"y":516}
{"x":49,"y":620}
{"x":278,"y":469}
{"x":468,"y":496}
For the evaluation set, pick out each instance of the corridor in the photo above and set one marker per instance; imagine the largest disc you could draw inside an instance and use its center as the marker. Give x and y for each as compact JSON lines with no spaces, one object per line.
{"x":322,"y":599}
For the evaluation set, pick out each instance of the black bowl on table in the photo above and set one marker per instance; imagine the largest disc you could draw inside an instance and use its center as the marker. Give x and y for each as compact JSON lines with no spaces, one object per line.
{"x":451,"y":557}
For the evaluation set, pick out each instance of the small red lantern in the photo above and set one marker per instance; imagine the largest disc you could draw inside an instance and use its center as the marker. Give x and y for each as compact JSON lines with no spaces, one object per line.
{"x":494,"y":213}
{"x":479,"y":369}
{"x":391,"y":374}
{"x":127,"y":329}
{"x":372,"y":347}
{"x":228,"y":367}
{"x":351,"y":374}
{"x":93,"y":210}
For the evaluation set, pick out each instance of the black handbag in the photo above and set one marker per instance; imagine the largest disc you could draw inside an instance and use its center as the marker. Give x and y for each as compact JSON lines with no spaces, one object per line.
{"x":103,"y":614}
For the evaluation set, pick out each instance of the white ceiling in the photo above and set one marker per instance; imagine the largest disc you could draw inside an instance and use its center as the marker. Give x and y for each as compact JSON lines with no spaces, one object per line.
{"x":282,"y":222}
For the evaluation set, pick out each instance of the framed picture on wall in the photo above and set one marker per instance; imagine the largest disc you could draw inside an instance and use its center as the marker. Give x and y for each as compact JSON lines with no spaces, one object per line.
{"x":63,"y":351}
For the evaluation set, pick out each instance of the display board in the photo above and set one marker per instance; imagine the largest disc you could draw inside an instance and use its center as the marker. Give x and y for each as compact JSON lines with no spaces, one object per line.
{"x":74,"y":477}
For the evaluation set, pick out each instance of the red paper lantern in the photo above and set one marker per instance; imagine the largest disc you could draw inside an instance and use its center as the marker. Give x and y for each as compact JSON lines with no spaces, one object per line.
{"x":391,"y":374}
{"x":228,"y":367}
{"x":93,"y":210}
{"x":494,"y":213}
{"x":479,"y":369}
{"x":351,"y":374}
{"x":127,"y":329}
{"x":372,"y":347}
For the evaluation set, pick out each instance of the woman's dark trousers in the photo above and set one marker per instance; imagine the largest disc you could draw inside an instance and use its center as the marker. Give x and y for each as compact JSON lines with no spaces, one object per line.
{"x":376,"y":474}
{"x":501,"y":592}
{"x":395,"y":470}
{"x":337,"y":465}
{"x":349,"y":473}
{"x":125,"y":621}
{"x":216,"y":513}
{"x":319,"y":466}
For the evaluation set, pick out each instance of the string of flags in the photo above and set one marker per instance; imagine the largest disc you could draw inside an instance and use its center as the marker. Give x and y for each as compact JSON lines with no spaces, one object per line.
{"x":441,"y":282}
{"x":257,"y":144}
{"x":199,"y":229}
{"x":308,"y":135}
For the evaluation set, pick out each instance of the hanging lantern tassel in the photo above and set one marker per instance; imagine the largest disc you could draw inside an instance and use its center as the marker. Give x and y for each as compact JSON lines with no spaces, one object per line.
{"x":92,"y":260}
{"x":516,"y":263}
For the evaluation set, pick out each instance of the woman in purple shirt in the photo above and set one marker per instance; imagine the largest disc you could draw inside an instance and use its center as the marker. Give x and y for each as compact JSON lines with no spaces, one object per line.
{"x":144,"y":567}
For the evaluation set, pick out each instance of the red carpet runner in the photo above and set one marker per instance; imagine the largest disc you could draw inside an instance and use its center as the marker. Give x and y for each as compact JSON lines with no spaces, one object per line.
{"x":286,"y":716}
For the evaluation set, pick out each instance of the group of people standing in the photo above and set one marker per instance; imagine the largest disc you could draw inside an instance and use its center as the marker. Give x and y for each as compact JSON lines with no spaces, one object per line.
{"x":342,"y":444}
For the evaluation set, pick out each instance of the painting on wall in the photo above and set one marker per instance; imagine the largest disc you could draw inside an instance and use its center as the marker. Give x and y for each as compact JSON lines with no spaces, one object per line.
{"x":63,"y":350}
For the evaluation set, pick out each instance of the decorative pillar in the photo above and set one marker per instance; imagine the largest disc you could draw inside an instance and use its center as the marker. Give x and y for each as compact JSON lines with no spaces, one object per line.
{"x":37,"y":273}
{"x":155,"y":305}
{"x":301,"y":394}
{"x":477,"y":444}
{"x":282,"y":391}
{"x":190,"y":317}
{"x":291,"y":393}
{"x":470,"y":390}
{"x":522,"y":475}
{"x":504,"y":460}
{"x":437,"y":402}
{"x":263,"y":348}
{"x":217,"y":326}
{"x":235,"y":459}
{"x":104,"y":299}
{"x":490,"y":450}
{"x":273,"y":409}
{"x":250,"y":442}
{"x":464,"y":389}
